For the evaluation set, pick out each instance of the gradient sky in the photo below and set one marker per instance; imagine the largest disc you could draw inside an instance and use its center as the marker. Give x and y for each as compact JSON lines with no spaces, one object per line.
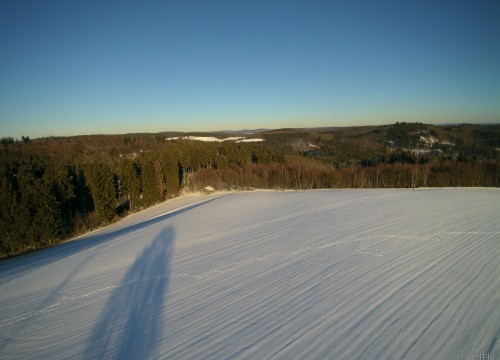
{"x":86,"y":67}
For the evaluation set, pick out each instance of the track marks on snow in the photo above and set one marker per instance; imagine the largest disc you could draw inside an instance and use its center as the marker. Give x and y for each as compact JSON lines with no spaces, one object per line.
{"x":349,"y":274}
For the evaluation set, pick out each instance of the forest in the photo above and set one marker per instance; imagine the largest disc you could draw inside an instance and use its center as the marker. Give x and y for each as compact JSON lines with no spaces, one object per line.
{"x":55,"y":188}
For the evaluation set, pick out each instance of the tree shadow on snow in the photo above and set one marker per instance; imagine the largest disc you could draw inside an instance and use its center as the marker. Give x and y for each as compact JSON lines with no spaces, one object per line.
{"x":18,"y":266}
{"x":130,"y":326}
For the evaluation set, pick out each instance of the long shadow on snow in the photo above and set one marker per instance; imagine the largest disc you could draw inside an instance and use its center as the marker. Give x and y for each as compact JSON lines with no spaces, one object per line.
{"x":130,"y":326}
{"x":18,"y":266}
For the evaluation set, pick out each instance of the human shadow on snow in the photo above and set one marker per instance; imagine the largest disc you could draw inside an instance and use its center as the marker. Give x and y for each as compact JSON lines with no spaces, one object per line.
{"x":131,"y":324}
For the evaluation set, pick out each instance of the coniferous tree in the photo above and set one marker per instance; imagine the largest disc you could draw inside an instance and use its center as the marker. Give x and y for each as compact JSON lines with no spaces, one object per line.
{"x":130,"y":182}
{"x":159,"y":181}
{"x":102,"y":184}
{"x":150,"y":182}
{"x":9,"y":234}
{"x":172,"y":173}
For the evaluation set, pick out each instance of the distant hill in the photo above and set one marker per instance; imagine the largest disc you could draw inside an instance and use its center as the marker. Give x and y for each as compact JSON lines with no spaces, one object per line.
{"x":57,"y":187}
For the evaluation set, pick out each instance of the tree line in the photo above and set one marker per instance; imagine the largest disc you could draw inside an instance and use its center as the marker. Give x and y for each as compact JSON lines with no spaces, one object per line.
{"x":53,"y":189}
{"x":300,"y":173}
{"x":47,"y":195}
{"x":44,"y":200}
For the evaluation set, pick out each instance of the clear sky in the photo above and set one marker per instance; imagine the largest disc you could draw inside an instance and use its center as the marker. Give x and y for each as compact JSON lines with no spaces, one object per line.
{"x":73,"y":67}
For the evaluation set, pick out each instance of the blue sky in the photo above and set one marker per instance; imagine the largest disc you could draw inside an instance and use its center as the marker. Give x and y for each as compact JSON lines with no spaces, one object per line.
{"x":90,"y":67}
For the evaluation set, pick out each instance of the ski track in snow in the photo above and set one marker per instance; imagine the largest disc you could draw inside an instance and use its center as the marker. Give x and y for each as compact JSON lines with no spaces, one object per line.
{"x":354,"y":274}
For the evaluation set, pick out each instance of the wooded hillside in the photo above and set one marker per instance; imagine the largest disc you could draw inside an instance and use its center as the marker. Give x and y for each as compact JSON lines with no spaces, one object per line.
{"x":55,"y":188}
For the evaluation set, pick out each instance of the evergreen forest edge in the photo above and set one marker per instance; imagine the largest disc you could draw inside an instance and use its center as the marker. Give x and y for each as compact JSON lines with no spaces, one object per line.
{"x":52,"y":189}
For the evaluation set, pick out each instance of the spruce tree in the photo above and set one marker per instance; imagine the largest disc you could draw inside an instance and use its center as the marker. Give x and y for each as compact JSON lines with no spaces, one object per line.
{"x":102,"y":184}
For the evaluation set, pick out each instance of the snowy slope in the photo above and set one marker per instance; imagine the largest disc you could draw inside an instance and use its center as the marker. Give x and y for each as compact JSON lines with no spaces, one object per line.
{"x":214,"y":139}
{"x":366,"y":274}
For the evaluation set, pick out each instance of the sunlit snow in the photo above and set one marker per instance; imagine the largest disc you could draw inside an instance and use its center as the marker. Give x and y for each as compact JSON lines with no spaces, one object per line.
{"x":214,"y":139}
{"x":348,"y":274}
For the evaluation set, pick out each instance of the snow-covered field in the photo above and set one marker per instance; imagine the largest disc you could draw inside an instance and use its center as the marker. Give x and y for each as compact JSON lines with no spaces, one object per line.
{"x":347,"y":274}
{"x":214,"y":139}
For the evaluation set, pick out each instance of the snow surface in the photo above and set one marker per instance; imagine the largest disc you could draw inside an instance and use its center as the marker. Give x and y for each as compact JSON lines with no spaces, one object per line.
{"x":251,"y":140}
{"x":348,"y":274}
{"x":214,"y":139}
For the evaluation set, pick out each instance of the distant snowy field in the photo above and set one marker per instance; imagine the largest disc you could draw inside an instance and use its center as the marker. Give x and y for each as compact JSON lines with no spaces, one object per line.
{"x":214,"y":139}
{"x":348,"y":274}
